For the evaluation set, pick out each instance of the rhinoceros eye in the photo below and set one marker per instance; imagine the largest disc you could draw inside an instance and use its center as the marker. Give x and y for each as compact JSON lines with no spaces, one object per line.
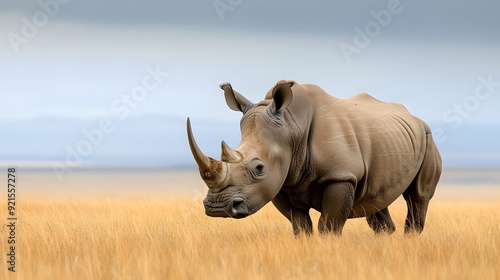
{"x":257,"y":169}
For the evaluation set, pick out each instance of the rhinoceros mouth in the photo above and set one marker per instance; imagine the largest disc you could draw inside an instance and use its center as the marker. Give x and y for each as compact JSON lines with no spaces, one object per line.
{"x":235,"y":207}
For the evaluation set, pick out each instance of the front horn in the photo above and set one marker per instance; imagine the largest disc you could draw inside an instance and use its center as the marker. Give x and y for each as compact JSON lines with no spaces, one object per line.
{"x":211,"y":170}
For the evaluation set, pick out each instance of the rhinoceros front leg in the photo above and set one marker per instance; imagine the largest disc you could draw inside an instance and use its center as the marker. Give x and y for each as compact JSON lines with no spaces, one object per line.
{"x":301,"y":221}
{"x":337,"y":203}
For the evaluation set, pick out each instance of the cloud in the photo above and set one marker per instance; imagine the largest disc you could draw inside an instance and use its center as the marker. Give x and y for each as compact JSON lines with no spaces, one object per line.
{"x":424,"y":19}
{"x":77,"y":69}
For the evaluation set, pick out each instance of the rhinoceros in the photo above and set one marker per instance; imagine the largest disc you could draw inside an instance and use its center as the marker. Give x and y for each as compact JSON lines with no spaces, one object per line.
{"x":303,"y":148}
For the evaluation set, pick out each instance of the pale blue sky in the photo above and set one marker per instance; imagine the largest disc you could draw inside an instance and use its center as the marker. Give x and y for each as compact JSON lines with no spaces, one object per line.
{"x":89,"y":54}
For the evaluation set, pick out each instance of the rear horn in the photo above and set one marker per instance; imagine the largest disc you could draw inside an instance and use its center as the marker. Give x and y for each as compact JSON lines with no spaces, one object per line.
{"x":229,"y":154}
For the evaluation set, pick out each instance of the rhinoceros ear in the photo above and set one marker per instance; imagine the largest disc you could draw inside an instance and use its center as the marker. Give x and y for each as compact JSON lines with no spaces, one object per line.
{"x":234,"y":100}
{"x":282,"y":96}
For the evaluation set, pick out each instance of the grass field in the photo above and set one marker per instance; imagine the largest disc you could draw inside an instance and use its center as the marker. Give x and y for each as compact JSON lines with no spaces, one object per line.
{"x":167,"y":236}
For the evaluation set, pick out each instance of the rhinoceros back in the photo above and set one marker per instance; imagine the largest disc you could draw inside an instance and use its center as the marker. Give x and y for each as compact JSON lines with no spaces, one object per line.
{"x":379,"y":144}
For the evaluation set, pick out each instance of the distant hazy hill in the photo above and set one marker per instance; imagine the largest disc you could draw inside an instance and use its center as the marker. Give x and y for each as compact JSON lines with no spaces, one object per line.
{"x":160,"y":141}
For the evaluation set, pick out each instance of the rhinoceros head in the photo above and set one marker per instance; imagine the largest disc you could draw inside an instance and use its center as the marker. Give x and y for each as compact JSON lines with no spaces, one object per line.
{"x":247,"y":178}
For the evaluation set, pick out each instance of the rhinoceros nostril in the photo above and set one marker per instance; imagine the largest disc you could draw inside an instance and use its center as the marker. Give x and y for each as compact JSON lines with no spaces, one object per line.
{"x":237,"y":202}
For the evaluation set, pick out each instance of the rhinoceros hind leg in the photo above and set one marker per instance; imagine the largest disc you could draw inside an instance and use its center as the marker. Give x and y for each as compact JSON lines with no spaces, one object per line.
{"x":415,"y":219}
{"x":422,"y":188}
{"x":381,"y":222}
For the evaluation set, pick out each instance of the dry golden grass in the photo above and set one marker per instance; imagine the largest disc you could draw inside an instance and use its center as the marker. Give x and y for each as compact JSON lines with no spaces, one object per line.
{"x":170,"y":238}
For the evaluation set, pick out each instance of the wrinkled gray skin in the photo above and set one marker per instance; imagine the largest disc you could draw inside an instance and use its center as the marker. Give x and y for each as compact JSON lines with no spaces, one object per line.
{"x":302,"y":148}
